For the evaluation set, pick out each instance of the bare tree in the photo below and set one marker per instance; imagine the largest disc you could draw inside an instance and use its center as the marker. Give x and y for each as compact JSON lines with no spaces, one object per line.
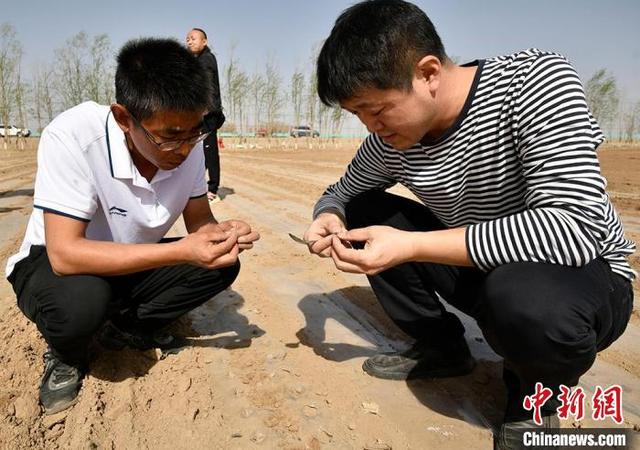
{"x":239,"y":91}
{"x":312,"y":108}
{"x":20,"y":99}
{"x":257,"y":88}
{"x":602,"y":95}
{"x":10,"y":54}
{"x":229,"y":73}
{"x":323,"y":117}
{"x":337,"y":120}
{"x":297,"y":95}
{"x":84,"y":70}
{"x":100,"y":71}
{"x":71,"y":63}
{"x":273,"y":97}
{"x":630,"y":121}
{"x":236,"y":86}
{"x":42,"y":96}
{"x":312,"y":100}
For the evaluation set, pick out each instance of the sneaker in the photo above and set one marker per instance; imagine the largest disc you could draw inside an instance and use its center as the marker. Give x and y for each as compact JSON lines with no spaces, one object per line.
{"x":112,"y":337}
{"x":422,"y":361}
{"x":60,"y":384}
{"x":510,"y":434}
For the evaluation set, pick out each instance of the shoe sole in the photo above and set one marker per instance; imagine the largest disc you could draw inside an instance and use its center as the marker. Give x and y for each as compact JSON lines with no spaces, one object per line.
{"x":417,"y":374}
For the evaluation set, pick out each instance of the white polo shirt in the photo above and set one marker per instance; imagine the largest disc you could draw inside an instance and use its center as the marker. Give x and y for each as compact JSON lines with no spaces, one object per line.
{"x":85,"y":172}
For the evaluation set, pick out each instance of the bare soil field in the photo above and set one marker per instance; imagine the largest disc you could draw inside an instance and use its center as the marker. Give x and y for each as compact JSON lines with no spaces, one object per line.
{"x":275,"y":361}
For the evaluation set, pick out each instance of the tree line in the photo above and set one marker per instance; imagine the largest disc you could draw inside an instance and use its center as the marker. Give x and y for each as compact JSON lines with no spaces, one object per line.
{"x":82,"y":69}
{"x":260,"y":102}
{"x":619,"y":117}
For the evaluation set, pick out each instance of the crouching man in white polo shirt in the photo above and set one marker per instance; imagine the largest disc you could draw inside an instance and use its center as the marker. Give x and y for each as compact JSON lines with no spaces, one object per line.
{"x":111,"y":181}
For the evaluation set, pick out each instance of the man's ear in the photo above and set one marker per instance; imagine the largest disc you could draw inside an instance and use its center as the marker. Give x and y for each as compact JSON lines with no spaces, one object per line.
{"x":122,"y":116}
{"x":429,"y":70}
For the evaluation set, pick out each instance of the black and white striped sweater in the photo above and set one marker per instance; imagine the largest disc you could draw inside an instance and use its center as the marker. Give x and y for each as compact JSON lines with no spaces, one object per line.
{"x":518,"y":168}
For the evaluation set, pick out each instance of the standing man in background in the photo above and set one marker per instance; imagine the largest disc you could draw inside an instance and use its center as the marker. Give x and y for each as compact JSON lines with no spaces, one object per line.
{"x":197,"y":44}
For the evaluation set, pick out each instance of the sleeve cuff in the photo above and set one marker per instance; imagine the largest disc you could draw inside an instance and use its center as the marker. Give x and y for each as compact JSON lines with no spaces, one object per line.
{"x":62,"y":213}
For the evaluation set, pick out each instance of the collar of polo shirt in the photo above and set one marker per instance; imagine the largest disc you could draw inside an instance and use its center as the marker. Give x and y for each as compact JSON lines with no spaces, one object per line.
{"x":120,"y":158}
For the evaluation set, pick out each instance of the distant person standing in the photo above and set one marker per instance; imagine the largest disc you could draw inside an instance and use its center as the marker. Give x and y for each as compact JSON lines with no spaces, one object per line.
{"x":197,"y":44}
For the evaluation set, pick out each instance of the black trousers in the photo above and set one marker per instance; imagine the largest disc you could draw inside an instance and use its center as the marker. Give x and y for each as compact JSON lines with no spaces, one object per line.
{"x":212,"y":161}
{"x":68,"y":310}
{"x":547,"y":321}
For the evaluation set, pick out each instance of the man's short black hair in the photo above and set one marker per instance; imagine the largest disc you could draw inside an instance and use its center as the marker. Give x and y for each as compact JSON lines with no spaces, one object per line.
{"x":375,"y":43}
{"x":201,"y":31}
{"x":156,"y":75}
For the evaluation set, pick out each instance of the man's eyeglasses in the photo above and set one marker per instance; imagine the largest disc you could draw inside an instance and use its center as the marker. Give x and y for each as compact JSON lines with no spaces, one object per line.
{"x":169,"y":146}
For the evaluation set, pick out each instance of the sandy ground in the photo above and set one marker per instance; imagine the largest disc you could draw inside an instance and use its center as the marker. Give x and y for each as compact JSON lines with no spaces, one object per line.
{"x":275,"y":360}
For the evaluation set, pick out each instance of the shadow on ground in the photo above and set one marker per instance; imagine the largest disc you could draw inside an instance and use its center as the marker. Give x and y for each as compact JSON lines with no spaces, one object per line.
{"x":350,"y":314}
{"x":349,"y":323}
{"x":478,"y":398}
{"x":224,"y":191}
{"x":17,"y":193}
{"x":9,"y":209}
{"x":217,"y":323}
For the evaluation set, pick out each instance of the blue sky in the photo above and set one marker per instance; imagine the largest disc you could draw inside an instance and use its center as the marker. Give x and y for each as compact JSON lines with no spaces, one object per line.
{"x":592,"y":34}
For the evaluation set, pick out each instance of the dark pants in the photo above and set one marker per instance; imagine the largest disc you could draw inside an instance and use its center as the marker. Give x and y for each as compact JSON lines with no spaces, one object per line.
{"x":212,"y":161}
{"x":547,"y":321}
{"x":68,"y":310}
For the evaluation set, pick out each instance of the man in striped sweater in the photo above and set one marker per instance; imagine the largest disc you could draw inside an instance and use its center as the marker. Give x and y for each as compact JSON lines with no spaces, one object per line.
{"x":513,"y":224}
